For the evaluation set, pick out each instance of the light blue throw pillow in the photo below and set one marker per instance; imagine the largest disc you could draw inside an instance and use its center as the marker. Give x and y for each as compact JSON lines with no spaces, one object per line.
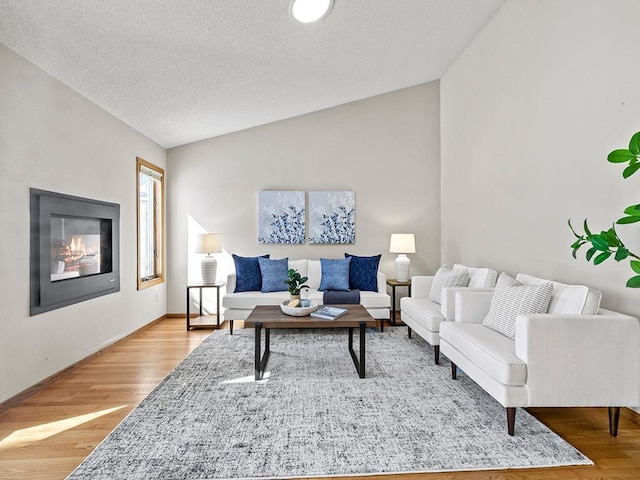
{"x":274,"y":274}
{"x":335,"y":274}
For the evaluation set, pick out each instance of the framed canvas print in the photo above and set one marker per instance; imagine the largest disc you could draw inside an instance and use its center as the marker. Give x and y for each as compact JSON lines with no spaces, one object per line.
{"x":281,"y":217}
{"x":332,"y":217}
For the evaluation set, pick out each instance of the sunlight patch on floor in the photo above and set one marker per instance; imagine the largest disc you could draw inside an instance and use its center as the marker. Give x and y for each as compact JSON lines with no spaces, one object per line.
{"x":25,"y":436}
{"x":249,"y":379}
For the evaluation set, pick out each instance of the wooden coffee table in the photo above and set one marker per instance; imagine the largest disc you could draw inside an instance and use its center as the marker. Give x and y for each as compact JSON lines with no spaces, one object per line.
{"x":266,"y":317}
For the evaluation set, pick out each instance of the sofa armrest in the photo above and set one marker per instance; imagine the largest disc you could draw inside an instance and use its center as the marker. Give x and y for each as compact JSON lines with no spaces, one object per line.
{"x":448,"y":301}
{"x":382,"y":282}
{"x":472,"y":306}
{"x":421,"y":286}
{"x":231,"y":282}
{"x":580,"y":360}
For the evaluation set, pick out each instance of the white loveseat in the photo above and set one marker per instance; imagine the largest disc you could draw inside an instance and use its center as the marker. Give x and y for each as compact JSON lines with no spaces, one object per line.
{"x":424,"y":316}
{"x":239,"y":305}
{"x":574,"y":355}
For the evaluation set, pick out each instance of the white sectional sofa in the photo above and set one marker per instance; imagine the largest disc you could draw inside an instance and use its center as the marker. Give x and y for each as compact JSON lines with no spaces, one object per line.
{"x":424,"y":316}
{"x":574,"y":355}
{"x":238,"y":305}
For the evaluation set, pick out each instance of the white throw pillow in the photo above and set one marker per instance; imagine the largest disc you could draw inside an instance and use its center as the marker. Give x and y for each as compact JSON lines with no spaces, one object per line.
{"x":446,"y":277}
{"x":512,"y":298}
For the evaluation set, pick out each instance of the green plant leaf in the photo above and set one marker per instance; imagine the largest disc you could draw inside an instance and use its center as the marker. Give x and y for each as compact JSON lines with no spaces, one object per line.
{"x":586,"y":228}
{"x":591,"y":252}
{"x":611,"y":237}
{"x":635,"y":265}
{"x":627,"y":220}
{"x":631,"y":169}
{"x":634,"y":282}
{"x":632,"y":210}
{"x":599,"y":243}
{"x":634,"y":144}
{"x":572,"y":230}
{"x":620,"y":156}
{"x":621,"y":254}
{"x":578,"y":243}
{"x":601,"y":258}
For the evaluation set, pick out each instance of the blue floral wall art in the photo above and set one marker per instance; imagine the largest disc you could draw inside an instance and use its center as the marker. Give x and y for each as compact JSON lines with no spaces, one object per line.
{"x":332,"y":217}
{"x":281,"y":217}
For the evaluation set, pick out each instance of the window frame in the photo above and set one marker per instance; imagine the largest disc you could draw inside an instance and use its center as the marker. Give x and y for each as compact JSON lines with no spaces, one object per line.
{"x":159,"y":227}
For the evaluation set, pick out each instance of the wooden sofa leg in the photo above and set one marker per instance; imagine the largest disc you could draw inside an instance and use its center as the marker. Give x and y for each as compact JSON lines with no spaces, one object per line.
{"x":436,"y":352}
{"x":453,"y":371}
{"x":409,"y":331}
{"x":230,"y":327}
{"x":614,"y":419}
{"x":511,"y":420}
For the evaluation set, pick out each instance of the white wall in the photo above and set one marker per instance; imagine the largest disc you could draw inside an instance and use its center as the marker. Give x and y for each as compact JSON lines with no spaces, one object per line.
{"x":52,"y":138}
{"x":385,"y":148}
{"x":529,"y":113}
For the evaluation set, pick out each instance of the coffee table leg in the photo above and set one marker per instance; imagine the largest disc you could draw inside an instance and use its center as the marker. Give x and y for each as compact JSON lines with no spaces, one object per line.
{"x":258,"y":339}
{"x":261,"y":361}
{"x":358,"y":362}
{"x":362,"y":349}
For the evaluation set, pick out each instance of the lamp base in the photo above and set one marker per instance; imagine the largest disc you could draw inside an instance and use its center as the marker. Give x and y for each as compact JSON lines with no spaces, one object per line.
{"x":402,"y":268}
{"x":209,"y":266}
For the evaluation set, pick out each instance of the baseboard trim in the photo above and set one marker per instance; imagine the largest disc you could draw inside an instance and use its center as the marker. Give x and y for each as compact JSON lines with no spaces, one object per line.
{"x":23,"y":395}
{"x":632,"y":414}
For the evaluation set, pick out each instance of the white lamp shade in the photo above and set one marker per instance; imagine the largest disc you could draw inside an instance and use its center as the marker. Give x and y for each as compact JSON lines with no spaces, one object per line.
{"x":208,"y":243}
{"x":307,"y":11}
{"x":402,"y":243}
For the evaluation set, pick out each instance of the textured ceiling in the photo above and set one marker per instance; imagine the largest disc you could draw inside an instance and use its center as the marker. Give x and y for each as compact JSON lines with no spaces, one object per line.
{"x":185,"y":70}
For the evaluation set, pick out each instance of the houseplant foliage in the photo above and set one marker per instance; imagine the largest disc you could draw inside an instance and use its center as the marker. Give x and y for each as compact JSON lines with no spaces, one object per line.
{"x":295,"y":282}
{"x":607,"y":243}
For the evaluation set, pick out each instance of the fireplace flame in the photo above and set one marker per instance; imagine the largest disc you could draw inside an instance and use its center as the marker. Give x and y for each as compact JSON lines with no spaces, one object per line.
{"x":75,"y":250}
{"x":76,"y":247}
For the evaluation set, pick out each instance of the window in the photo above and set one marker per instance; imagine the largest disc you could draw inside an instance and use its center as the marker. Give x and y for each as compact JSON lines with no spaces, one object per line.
{"x":150,"y":189}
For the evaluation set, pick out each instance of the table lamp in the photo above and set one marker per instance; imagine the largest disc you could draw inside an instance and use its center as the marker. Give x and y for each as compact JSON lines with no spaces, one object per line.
{"x":209,"y":243}
{"x":402,"y":243}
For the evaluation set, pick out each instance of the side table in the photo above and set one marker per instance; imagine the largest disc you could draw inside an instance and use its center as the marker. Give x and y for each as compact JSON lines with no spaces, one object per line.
{"x":201,"y":320}
{"x":393,"y":283}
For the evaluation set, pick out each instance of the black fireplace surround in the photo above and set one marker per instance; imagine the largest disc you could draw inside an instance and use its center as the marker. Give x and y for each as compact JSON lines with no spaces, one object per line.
{"x":75,"y":250}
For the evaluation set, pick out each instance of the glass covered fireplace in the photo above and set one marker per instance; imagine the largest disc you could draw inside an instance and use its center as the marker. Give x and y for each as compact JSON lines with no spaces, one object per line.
{"x":74,"y":249}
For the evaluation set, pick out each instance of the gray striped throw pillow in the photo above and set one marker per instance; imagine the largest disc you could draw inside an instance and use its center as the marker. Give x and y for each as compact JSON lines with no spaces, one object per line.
{"x":445,"y":277}
{"x":511,"y":298}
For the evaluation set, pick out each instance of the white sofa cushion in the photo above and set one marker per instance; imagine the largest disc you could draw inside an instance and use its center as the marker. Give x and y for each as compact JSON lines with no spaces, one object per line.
{"x":446,"y":277}
{"x":314,"y":272}
{"x":251,"y":299}
{"x":299,"y":266}
{"x":512,"y":298}
{"x":568,"y":299}
{"x":423,"y":309}
{"x":489,"y":350}
{"x":479,"y":277}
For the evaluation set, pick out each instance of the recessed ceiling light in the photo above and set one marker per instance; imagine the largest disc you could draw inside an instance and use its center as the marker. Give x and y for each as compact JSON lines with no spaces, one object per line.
{"x":307,"y":11}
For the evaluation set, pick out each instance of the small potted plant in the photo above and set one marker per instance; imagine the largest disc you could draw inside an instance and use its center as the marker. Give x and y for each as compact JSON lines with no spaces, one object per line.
{"x":295,"y":282}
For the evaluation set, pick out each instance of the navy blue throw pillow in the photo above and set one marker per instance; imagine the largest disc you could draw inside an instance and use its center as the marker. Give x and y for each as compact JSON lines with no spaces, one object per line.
{"x":248,"y":277}
{"x":363,"y":272}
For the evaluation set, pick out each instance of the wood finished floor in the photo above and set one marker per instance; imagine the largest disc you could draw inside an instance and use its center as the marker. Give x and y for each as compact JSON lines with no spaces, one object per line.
{"x":50,"y":433}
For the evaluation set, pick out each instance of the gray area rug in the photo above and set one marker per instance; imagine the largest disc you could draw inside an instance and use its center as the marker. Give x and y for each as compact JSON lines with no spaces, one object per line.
{"x":313,"y":416}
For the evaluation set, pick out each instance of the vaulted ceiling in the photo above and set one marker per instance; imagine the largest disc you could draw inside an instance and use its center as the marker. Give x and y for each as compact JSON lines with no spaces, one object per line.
{"x":180,"y":71}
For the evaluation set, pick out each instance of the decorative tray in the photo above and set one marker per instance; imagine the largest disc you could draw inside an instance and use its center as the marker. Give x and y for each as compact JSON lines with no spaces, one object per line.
{"x":298,"y":311}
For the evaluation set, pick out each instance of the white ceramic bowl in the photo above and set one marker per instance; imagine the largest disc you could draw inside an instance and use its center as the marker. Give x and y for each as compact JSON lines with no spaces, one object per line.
{"x":298,"y":311}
